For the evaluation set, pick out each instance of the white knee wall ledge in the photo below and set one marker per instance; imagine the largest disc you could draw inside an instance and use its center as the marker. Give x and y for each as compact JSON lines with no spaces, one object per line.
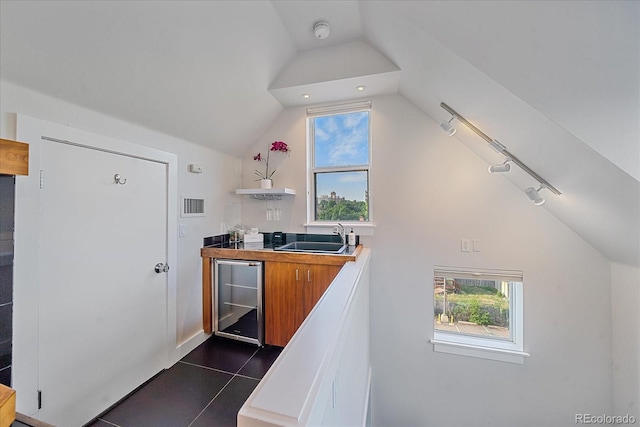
{"x":323,"y":375}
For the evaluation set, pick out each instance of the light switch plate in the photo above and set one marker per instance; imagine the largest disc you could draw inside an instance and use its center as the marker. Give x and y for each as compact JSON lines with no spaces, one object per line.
{"x":465,"y":245}
{"x":476,"y":245}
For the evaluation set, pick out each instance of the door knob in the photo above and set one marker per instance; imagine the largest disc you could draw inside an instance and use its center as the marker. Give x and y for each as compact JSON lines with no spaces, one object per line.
{"x":161,"y":267}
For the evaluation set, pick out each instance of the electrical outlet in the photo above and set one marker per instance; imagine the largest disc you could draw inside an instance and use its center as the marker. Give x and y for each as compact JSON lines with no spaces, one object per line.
{"x":465,"y":245}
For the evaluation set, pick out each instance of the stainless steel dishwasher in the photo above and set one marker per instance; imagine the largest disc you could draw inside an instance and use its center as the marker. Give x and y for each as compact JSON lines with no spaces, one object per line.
{"x":237,"y":303}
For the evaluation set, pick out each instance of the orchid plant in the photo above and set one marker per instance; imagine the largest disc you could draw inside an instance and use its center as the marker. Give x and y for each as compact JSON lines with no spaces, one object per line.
{"x":278,"y":146}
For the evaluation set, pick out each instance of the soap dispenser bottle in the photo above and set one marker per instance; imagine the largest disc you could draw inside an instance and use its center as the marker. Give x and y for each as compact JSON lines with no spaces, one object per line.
{"x":352,"y":238}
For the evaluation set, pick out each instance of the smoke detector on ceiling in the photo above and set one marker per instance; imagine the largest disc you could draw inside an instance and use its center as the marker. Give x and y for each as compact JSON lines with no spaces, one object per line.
{"x":321,"y":30}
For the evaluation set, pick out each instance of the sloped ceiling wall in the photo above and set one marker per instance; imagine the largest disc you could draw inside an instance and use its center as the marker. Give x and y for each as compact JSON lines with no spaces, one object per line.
{"x":556,"y":82}
{"x":196,"y":70}
{"x":577,"y":63}
{"x":601,"y":197}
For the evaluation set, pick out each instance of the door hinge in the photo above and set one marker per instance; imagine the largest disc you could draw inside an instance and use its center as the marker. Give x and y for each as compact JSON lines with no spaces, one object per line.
{"x":41,"y":178}
{"x":39,"y":399}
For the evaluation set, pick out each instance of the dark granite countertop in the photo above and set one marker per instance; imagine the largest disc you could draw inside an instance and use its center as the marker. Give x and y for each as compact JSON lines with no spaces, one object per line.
{"x":220,"y":247}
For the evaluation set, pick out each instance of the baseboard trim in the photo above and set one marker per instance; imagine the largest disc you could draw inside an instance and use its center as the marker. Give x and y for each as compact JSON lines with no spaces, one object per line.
{"x":24,"y":419}
{"x":188,"y":346}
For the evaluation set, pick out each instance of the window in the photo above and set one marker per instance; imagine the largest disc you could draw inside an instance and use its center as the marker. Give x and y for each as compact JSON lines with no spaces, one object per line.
{"x":339,"y":163}
{"x":478,"y":313}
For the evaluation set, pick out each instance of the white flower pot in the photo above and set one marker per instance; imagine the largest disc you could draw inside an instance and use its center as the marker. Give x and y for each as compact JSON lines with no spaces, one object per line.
{"x":265,"y":183}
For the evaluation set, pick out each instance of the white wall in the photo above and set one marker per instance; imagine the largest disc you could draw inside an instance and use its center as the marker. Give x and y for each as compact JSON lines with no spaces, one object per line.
{"x":625,"y":299}
{"x":427,"y":192}
{"x":290,"y":127}
{"x":216,"y":184}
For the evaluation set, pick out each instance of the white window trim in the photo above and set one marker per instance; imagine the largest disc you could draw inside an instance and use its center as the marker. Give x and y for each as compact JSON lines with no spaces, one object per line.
{"x":479,"y":351}
{"x":487,"y":348}
{"x":359,"y":227}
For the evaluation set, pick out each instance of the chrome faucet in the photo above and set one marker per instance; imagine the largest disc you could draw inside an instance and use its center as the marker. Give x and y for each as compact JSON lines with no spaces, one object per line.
{"x":340,"y":232}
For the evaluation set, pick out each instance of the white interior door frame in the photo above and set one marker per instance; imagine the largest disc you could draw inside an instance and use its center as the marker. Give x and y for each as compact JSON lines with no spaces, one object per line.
{"x":27,"y":271}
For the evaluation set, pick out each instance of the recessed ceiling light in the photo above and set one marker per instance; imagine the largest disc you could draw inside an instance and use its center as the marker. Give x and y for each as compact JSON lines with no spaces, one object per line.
{"x":306,"y":96}
{"x":361,"y":88}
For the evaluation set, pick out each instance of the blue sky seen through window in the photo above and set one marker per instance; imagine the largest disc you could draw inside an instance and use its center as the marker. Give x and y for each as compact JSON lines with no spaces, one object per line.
{"x":342,"y":140}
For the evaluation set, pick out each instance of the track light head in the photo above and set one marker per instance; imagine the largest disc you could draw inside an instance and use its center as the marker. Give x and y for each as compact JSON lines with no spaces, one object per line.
{"x":448,"y":127}
{"x":534,"y":195}
{"x":500,"y":168}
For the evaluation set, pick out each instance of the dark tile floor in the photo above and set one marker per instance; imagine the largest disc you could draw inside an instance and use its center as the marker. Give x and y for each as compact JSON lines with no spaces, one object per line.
{"x":206,"y":388}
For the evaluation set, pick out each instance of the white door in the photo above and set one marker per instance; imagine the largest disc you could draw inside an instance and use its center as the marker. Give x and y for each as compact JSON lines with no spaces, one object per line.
{"x":103,"y":307}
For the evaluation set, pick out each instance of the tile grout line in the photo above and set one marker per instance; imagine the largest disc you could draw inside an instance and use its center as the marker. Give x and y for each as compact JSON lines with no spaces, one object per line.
{"x":206,"y":367}
{"x":248,"y":377}
{"x":245,"y":363}
{"x":211,"y":401}
{"x":222,"y":389}
{"x":222,"y":371}
{"x":109,"y":422}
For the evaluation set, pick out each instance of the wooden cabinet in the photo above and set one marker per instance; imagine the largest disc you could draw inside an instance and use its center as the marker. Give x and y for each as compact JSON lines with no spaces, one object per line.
{"x":283,"y":296}
{"x":291,"y":292}
{"x":294,"y":282}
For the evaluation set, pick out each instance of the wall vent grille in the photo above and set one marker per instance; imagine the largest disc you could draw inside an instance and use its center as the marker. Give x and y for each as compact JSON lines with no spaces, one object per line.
{"x":192,"y":207}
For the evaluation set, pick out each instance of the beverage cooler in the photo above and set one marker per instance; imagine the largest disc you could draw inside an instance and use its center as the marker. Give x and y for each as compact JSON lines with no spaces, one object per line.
{"x":237,"y":304}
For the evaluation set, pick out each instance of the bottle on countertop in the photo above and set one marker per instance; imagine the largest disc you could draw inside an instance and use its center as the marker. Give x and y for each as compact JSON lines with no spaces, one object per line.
{"x":352,"y":238}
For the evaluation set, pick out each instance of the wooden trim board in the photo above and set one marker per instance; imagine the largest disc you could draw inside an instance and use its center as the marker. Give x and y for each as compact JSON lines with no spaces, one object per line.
{"x":14,"y":157}
{"x":7,"y":405}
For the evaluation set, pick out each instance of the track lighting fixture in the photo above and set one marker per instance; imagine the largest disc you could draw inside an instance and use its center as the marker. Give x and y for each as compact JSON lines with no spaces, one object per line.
{"x":531,"y":192}
{"x":534,"y":195}
{"x":497,"y":147}
{"x":448,"y":127}
{"x":500,"y":168}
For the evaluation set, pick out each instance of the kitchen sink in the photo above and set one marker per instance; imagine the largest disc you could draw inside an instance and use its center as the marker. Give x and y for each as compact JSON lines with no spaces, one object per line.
{"x":317,"y":247}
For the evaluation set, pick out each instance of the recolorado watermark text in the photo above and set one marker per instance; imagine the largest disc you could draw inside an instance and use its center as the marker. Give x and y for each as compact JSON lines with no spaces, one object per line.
{"x":605,"y":419}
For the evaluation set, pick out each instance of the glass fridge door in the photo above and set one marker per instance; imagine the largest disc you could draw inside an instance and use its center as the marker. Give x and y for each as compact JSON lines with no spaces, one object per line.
{"x":237,"y":301}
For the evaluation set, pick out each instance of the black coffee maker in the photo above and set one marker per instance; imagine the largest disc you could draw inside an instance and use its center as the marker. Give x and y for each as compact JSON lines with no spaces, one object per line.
{"x":278,"y":238}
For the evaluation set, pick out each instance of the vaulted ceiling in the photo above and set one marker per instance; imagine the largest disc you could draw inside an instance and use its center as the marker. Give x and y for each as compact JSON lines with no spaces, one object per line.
{"x":558,"y":82}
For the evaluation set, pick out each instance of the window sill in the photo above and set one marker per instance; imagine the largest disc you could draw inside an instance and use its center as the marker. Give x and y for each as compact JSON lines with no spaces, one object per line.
{"x":500,"y":355}
{"x":360,"y":228}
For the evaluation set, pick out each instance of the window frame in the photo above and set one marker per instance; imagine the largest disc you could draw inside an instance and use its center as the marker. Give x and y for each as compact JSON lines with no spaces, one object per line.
{"x":500,"y":349}
{"x":312,"y":171}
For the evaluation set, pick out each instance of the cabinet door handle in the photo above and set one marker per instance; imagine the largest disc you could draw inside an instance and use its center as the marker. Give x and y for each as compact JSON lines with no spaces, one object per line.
{"x":308,"y":275}
{"x":297,"y":278}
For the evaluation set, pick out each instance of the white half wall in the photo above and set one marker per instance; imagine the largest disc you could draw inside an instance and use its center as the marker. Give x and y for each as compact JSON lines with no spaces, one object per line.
{"x":428,"y":192}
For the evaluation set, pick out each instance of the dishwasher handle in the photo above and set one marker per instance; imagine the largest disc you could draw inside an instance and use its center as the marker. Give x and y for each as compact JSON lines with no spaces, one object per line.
{"x":235,"y":262}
